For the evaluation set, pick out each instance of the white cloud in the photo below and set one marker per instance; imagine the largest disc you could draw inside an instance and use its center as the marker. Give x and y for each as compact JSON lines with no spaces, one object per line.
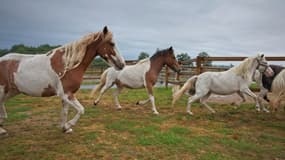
{"x":219,"y":27}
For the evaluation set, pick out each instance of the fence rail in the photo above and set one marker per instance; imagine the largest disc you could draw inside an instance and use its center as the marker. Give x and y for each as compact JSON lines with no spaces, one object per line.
{"x":167,"y":76}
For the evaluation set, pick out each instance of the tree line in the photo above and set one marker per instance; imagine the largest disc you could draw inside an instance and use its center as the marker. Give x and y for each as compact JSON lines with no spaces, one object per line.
{"x":44,"y":48}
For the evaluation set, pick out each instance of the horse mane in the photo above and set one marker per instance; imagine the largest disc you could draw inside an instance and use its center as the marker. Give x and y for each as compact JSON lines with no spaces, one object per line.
{"x":243,"y":69}
{"x":143,"y":60}
{"x":278,"y":84}
{"x":158,"y":53}
{"x":75,"y":51}
{"x":155,"y":55}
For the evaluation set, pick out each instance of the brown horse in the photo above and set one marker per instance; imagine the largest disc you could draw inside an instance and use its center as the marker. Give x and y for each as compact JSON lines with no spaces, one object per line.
{"x":59,"y":72}
{"x":143,"y":74}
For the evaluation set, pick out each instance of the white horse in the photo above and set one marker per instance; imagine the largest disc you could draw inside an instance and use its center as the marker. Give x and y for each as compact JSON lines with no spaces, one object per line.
{"x":234,"y":80}
{"x":278,"y":90}
{"x":143,"y":74}
{"x":57,"y":73}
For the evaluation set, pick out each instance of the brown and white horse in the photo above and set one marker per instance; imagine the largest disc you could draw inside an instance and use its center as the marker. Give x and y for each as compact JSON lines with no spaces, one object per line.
{"x":143,"y":74}
{"x":59,"y":72}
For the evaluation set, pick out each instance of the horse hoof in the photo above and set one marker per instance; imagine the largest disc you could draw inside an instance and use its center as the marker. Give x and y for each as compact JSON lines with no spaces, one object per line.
{"x":3,"y":132}
{"x":156,"y":113}
{"x":68,"y":131}
{"x":137,"y":103}
{"x":190,"y":113}
{"x":95,"y":103}
{"x":266,"y":110}
{"x":119,"y":108}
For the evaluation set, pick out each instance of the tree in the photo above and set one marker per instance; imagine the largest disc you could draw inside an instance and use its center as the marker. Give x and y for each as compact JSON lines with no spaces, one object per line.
{"x":205,"y":54}
{"x":143,"y":55}
{"x":185,"y":58}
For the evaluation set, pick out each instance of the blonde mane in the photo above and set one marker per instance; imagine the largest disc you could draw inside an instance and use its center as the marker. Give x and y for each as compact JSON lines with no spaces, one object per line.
{"x":74,"y":52}
{"x":243,"y":69}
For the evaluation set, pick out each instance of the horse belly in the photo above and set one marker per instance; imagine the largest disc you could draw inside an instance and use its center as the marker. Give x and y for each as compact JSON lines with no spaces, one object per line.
{"x":36,"y":78}
{"x":134,"y":80}
{"x":224,"y":84}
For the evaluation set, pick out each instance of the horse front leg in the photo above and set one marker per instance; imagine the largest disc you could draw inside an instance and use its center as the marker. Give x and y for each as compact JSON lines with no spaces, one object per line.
{"x":77,"y":106}
{"x":151,"y":98}
{"x":256,"y":98}
{"x":3,"y":115}
{"x":64,"y":113}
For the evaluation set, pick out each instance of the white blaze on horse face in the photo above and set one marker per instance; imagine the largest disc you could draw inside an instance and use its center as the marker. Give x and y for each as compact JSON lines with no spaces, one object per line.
{"x":34,"y":75}
{"x":118,"y":58}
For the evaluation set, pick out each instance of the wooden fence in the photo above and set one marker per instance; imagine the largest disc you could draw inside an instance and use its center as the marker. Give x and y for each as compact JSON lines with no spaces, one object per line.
{"x":167,"y":76}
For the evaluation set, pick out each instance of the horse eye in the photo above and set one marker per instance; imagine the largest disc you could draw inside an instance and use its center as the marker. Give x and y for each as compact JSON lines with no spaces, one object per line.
{"x":112,"y":44}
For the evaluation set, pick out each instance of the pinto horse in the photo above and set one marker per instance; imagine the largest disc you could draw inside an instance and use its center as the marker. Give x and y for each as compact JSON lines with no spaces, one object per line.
{"x":59,"y":72}
{"x":143,"y":74}
{"x":234,"y":80}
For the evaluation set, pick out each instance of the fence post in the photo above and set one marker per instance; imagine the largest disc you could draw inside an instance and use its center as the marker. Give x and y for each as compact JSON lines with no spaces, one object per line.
{"x":166,"y":76}
{"x":199,"y":65}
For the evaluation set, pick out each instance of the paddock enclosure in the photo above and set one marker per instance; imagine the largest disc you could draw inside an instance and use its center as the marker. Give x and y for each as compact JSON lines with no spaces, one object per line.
{"x":103,"y":132}
{"x":167,"y":76}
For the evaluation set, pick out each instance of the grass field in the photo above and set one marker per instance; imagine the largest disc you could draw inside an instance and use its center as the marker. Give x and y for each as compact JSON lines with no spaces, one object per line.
{"x":135,"y":133}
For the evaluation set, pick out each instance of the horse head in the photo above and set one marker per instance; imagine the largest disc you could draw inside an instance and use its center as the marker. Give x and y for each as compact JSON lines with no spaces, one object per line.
{"x":108,"y":51}
{"x":263,"y":66}
{"x":171,"y":61}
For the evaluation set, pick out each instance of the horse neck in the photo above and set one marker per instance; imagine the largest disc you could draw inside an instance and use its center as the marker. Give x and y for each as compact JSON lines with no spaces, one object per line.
{"x":89,"y":56}
{"x":156,"y":64}
{"x":252,"y":69}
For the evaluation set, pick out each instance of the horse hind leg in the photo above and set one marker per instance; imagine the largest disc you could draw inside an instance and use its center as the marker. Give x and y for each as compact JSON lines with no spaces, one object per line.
{"x":203,"y":101}
{"x":102,"y":91}
{"x":143,"y":102}
{"x":116,"y":94}
{"x":190,"y":101}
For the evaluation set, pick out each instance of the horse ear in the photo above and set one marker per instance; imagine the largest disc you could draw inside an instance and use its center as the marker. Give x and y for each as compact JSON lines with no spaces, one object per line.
{"x":105,"y":30}
{"x":170,"y":48}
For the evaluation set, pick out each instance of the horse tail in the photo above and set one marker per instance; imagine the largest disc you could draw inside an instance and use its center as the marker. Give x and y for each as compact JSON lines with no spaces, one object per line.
{"x":187,"y":85}
{"x":101,"y":84}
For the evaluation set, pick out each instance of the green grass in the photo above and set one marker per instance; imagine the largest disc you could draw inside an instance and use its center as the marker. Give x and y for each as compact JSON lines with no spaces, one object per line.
{"x":135,"y":133}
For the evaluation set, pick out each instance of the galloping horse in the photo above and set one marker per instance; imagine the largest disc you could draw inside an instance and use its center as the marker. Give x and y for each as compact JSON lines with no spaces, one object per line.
{"x":234,"y":80}
{"x":59,"y":72}
{"x":143,"y":74}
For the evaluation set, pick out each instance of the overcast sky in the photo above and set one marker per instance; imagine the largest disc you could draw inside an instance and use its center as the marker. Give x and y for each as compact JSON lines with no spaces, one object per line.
{"x":219,"y":27}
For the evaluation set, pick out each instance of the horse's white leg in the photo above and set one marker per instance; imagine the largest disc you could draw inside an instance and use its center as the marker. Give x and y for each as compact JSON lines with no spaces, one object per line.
{"x":116,"y":94}
{"x":80,"y":110}
{"x":190,"y":101}
{"x":143,"y":102}
{"x":3,"y":113}
{"x":151,"y":97}
{"x":256,"y":98}
{"x":102,"y":91}
{"x":64,"y":113}
{"x":203,"y":101}
{"x":263,"y":95}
